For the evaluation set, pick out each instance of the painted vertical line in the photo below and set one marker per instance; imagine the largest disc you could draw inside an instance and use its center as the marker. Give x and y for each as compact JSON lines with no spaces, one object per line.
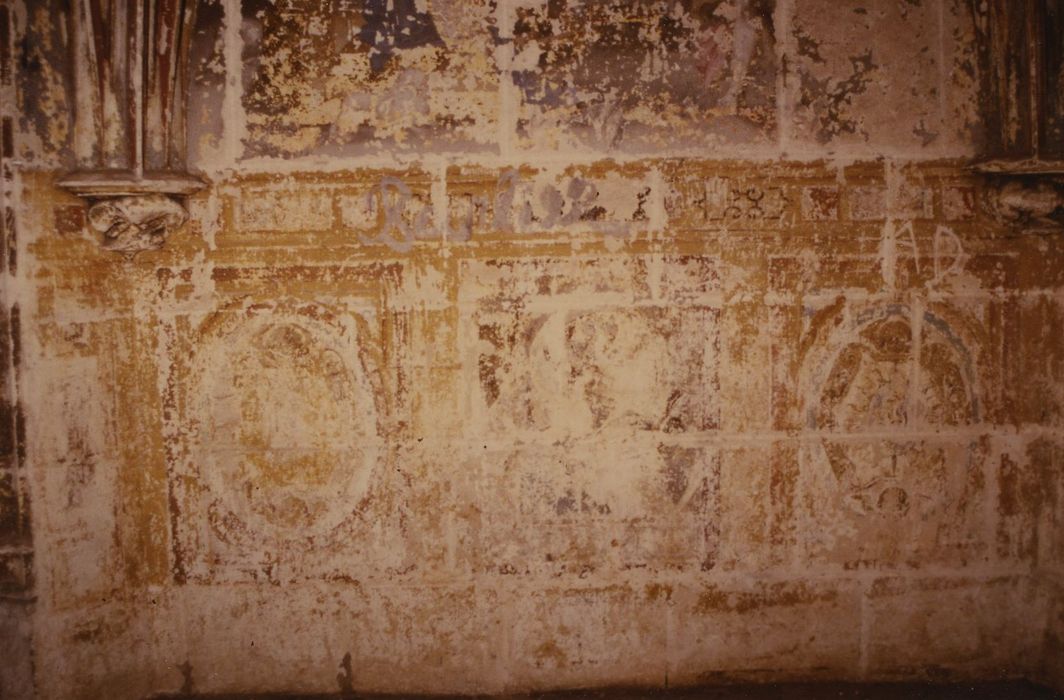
{"x":14,"y":427}
{"x":137,"y":66}
{"x":5,"y":45}
{"x":807,"y":452}
{"x":11,"y":237}
{"x":233,"y":118}
{"x":783,"y":20}
{"x":6,"y":212}
{"x":88,"y":115}
{"x":670,"y":632}
{"x":15,"y":339}
{"x":112,"y":65}
{"x":943,"y":70}
{"x":438,"y":198}
{"x":989,"y":466}
{"x":888,"y":247}
{"x":7,"y":138}
{"x":1035,"y":20}
{"x":866,"y":632}
{"x":8,"y":232}
{"x":451,"y":542}
{"x":4,"y":229}
{"x":888,"y":254}
{"x":504,"y":54}
{"x":914,"y":410}
{"x":657,"y":214}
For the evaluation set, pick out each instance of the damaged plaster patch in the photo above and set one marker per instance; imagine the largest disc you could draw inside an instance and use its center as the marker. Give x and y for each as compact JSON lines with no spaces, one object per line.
{"x":882,"y":76}
{"x":831,"y":100}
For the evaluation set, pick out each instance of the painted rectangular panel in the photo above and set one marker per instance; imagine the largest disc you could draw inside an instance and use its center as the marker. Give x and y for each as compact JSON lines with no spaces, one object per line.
{"x":644,"y":77}
{"x":371,"y":76}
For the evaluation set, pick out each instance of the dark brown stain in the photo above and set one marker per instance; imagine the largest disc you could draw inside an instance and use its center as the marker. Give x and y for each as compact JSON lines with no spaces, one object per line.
{"x":658,"y":591}
{"x":187,"y":685}
{"x":10,"y":510}
{"x":345,"y":678}
{"x":16,"y":573}
{"x":395,"y":24}
{"x":11,"y":240}
{"x":5,"y":45}
{"x":7,"y":138}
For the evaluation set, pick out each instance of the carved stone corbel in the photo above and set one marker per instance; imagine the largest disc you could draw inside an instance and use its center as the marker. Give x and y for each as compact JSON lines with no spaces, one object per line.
{"x":1027,"y":202}
{"x":132,"y":224}
{"x":131,"y":65}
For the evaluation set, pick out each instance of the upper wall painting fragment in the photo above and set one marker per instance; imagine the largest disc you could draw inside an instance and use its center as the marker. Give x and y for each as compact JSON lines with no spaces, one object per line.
{"x":875,"y":78}
{"x":357,"y":77}
{"x":644,"y":77}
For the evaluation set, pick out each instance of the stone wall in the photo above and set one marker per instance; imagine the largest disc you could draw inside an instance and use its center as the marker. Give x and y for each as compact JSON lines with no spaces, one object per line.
{"x":539,"y":344}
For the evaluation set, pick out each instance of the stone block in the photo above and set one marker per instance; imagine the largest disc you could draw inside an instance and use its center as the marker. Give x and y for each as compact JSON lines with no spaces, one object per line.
{"x":945,"y":628}
{"x":759,"y":506}
{"x":16,"y":648}
{"x":583,"y":635}
{"x":740,"y":630}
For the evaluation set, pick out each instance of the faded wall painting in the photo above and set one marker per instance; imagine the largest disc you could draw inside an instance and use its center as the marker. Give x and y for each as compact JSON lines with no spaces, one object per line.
{"x":880,"y":392}
{"x":580,"y":357}
{"x":486,"y":348}
{"x":279,"y":437}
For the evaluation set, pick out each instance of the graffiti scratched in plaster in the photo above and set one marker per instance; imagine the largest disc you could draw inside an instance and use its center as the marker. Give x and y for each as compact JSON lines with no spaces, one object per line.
{"x":398,"y":216}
